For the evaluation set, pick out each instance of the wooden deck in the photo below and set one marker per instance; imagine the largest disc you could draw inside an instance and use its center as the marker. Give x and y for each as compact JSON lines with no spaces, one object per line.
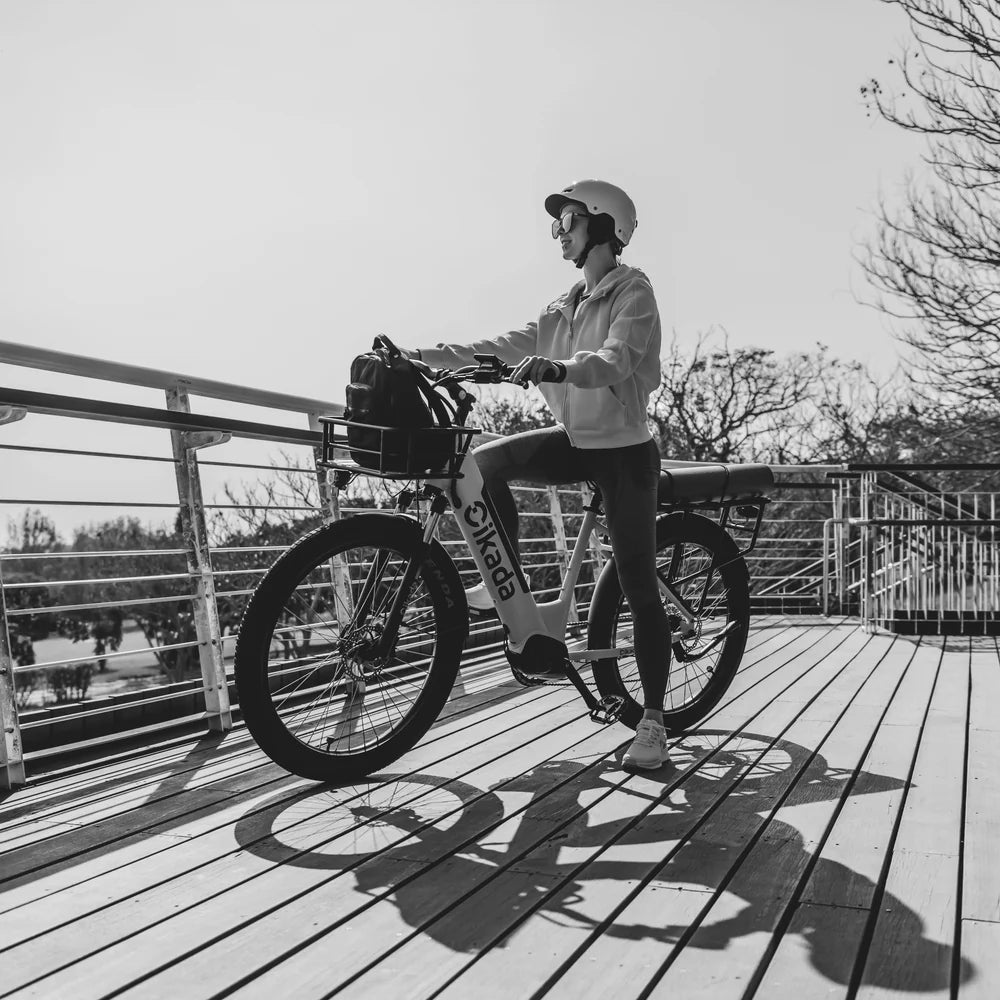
{"x":830,"y":831}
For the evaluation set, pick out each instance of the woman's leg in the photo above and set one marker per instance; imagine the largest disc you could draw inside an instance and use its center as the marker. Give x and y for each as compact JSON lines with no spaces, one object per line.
{"x":543,"y":456}
{"x":629,"y":480}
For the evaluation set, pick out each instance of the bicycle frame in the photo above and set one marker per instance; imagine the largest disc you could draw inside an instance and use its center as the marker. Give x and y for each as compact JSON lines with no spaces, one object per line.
{"x":520,"y":614}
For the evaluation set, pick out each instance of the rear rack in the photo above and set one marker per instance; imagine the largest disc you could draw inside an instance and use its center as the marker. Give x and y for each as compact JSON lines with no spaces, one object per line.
{"x":740,"y":516}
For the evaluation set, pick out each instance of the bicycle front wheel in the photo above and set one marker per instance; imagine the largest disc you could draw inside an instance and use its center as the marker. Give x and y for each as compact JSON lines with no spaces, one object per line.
{"x":318,"y":690}
{"x":704,"y":587}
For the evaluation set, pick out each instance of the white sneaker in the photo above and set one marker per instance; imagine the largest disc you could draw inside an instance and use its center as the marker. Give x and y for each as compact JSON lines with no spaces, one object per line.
{"x":649,"y":748}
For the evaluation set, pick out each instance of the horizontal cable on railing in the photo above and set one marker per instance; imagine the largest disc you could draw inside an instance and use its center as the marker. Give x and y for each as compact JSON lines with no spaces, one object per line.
{"x":37,"y":584}
{"x":58,"y":609}
{"x":255,"y":506}
{"x":249,"y":465}
{"x":88,"y":454}
{"x":90,"y":503}
{"x":78,"y":553}
{"x":117,"y":655}
{"x":152,"y":458}
{"x":246,"y":548}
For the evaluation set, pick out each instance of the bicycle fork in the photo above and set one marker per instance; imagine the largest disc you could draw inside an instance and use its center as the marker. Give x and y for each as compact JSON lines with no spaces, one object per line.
{"x":390,"y":632}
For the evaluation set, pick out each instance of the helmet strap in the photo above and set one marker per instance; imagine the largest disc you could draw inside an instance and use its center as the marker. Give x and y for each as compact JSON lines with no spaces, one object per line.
{"x":582,"y":259}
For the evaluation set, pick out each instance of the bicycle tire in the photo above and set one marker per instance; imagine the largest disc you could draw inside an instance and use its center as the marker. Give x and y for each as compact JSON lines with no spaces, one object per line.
{"x":682,"y":538}
{"x":308,"y":713}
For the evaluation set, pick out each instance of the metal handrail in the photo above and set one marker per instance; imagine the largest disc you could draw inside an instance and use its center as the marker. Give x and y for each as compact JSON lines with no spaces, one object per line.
{"x":54,"y":404}
{"x":44,"y":359}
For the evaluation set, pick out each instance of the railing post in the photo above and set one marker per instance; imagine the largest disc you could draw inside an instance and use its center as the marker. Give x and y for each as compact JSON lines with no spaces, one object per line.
{"x":329,"y":501}
{"x":844,"y":543}
{"x":329,"y":495}
{"x":195,"y":531}
{"x":867,"y":555}
{"x":559,"y":536}
{"x":11,"y":749}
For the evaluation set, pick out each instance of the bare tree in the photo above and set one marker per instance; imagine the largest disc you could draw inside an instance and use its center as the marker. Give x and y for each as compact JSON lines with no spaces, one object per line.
{"x":854,"y":417}
{"x":938,"y":256}
{"x":722,"y":403}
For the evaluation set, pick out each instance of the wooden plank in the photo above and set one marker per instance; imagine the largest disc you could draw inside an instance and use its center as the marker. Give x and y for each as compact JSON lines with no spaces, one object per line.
{"x":75,"y":869}
{"x":981,"y":875}
{"x":770,"y":876}
{"x":842,"y":885}
{"x":744,"y":897}
{"x":911,"y":947}
{"x":438,"y":919}
{"x":144,"y":774}
{"x":278,"y":929}
{"x":214,"y":850}
{"x":173,"y":811}
{"x":103,"y":783}
{"x":246,"y":883}
{"x":30,"y":832}
{"x":487,"y":682}
{"x":981,"y":948}
{"x":816,"y":954}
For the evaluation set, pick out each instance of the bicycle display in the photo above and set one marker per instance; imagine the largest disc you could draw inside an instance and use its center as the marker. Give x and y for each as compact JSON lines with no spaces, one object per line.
{"x":351,"y":643}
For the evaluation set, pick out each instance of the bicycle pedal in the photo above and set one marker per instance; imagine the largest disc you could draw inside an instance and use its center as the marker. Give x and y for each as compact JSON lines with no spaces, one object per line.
{"x":607,"y":710}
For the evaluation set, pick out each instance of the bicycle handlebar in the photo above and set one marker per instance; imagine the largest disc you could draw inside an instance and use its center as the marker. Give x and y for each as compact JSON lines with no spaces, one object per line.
{"x":490,"y":371}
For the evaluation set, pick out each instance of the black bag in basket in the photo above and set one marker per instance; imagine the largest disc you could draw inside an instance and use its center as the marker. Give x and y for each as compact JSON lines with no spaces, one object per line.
{"x":389,"y":390}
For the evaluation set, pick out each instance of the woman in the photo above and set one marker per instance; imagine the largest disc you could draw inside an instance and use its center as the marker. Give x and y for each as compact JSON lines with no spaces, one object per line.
{"x":595,"y":355}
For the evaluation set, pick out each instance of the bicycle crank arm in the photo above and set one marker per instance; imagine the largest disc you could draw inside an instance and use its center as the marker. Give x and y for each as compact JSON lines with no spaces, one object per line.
{"x":684,"y":657}
{"x":600,"y":654}
{"x":605,"y":711}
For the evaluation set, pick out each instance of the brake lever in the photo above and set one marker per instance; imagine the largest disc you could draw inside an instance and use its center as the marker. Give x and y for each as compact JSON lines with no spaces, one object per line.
{"x":491,"y":369}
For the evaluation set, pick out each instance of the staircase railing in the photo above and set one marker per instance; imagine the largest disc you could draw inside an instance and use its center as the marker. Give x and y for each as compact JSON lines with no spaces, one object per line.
{"x":929,"y":557}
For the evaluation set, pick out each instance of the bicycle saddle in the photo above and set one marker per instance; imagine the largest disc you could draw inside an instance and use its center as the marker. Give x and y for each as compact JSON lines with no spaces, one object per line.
{"x":712,"y":481}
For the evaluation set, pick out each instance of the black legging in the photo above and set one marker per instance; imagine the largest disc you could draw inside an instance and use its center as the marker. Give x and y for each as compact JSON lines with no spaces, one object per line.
{"x":628,"y":478}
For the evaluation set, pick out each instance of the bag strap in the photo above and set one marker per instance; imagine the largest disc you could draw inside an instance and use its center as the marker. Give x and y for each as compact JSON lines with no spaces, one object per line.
{"x":383,"y":343}
{"x":435,"y":400}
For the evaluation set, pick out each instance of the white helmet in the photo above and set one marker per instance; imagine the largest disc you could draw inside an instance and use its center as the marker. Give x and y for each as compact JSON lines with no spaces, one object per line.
{"x":601,"y":198}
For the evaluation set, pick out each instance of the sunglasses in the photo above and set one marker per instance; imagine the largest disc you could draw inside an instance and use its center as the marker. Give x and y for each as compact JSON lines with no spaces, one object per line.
{"x":565,"y":223}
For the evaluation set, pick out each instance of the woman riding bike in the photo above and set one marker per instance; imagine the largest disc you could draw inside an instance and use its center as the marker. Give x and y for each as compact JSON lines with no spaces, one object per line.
{"x":595,"y":355}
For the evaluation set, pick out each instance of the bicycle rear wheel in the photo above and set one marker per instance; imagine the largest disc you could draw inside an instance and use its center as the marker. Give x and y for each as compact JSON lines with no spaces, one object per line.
{"x":314,"y":689}
{"x":701,"y":565}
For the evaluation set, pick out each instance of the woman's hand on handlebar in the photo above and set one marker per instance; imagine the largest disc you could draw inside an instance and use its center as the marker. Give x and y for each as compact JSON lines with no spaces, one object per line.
{"x":489,"y":369}
{"x":536,"y":369}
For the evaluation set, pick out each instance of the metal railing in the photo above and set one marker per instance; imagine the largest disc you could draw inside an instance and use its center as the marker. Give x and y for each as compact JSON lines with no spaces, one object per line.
{"x":928,"y":555}
{"x":73,"y":616}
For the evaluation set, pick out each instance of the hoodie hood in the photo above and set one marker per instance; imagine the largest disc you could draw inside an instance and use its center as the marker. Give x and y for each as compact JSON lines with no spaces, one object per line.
{"x":612,"y":280}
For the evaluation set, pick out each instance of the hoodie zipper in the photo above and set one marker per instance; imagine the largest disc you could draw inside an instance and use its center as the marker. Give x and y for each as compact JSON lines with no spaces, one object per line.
{"x":566,"y":408}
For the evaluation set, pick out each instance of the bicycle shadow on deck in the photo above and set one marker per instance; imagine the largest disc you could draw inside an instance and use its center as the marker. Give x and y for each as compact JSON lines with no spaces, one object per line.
{"x":424,"y":839}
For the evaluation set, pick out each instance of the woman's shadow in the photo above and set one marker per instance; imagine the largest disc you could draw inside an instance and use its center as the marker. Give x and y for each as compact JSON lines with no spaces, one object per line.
{"x":421,"y":841}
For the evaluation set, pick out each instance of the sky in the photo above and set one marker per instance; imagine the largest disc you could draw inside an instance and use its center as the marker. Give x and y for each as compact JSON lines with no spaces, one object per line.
{"x":251,"y":190}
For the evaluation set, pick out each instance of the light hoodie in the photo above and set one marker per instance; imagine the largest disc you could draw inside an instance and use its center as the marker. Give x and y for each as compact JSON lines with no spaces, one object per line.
{"x":611,"y":350}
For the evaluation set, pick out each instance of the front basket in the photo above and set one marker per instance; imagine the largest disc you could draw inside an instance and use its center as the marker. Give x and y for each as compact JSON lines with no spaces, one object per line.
{"x":395,"y":452}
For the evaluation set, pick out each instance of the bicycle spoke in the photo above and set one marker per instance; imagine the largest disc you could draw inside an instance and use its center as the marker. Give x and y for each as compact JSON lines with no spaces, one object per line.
{"x":326,"y":676}
{"x":695,"y":597}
